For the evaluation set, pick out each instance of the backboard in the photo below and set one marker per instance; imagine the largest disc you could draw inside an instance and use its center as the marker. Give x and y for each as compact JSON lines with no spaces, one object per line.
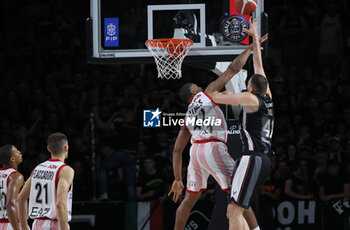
{"x":117,"y":30}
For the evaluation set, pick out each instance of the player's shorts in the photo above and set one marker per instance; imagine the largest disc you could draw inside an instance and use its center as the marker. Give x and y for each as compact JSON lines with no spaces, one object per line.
{"x":45,"y":224}
{"x":5,"y":225}
{"x":209,"y":158}
{"x":249,"y":174}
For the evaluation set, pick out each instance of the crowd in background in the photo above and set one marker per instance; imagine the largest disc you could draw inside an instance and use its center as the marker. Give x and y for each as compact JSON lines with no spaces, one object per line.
{"x":47,"y":86}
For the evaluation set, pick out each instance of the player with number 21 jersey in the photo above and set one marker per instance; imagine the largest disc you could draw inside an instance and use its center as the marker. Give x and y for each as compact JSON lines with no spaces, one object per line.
{"x":43,"y":190}
{"x":49,"y":190}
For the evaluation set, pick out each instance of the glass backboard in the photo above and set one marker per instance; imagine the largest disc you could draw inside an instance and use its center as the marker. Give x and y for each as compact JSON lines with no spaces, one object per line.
{"x":117,"y":30}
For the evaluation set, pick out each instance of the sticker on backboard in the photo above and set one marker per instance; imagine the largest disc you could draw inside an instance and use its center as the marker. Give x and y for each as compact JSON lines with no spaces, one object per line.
{"x":111,"y":29}
{"x":232,"y":28}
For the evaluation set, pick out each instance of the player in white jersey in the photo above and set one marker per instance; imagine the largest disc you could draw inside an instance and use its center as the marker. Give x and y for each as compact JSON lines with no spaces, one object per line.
{"x":49,"y":189}
{"x":208,"y":154}
{"x":205,"y":122}
{"x":11,"y":182}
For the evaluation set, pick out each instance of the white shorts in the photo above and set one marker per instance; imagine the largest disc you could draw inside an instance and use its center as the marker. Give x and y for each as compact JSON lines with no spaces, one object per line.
{"x":5,"y":226}
{"x":45,"y":224}
{"x":210,"y":158}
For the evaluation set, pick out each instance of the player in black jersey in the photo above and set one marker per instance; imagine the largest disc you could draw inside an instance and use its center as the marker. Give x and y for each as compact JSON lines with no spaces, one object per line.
{"x":252,"y":169}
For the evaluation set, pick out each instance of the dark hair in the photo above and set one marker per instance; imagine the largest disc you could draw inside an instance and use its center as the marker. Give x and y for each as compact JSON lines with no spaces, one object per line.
{"x":185,"y":92}
{"x":259,"y":84}
{"x":5,"y":154}
{"x":56,"y":142}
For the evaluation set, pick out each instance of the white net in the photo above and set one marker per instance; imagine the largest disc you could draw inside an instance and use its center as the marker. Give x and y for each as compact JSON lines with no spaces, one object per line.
{"x":169,"y":54}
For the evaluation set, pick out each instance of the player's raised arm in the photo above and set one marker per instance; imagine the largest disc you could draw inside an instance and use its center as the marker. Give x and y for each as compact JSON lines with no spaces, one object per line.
{"x":181,"y":141}
{"x":22,"y":205}
{"x":257,"y":57}
{"x":64,"y":182}
{"x":231,"y":70}
{"x":229,"y":98}
{"x":15,"y":183}
{"x":236,"y":66}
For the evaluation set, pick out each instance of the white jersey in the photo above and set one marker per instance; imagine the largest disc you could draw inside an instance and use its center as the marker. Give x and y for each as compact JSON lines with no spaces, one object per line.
{"x":205,"y":120}
{"x":43,"y":189}
{"x":5,"y":174}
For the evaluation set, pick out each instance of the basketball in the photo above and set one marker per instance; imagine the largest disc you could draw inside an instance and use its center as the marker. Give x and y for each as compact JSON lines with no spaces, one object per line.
{"x":246,"y":7}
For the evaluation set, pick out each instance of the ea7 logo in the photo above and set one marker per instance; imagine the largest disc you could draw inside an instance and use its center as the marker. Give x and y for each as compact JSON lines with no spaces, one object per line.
{"x":151,"y":118}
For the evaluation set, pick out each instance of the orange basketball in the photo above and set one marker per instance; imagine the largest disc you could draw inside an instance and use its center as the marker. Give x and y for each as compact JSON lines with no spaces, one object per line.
{"x":246,"y":7}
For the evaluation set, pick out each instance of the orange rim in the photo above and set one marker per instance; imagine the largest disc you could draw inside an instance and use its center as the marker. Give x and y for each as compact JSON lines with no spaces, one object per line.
{"x":166,"y":41}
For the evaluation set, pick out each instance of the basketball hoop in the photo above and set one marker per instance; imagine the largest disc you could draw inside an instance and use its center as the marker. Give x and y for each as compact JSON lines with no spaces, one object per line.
{"x":169,"y":54}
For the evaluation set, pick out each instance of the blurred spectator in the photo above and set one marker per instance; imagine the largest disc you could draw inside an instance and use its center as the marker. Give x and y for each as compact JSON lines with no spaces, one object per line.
{"x":304,"y":136}
{"x":335,"y":149}
{"x":113,"y":160}
{"x":160,"y":145}
{"x":80,"y":149}
{"x":166,"y":163}
{"x":292,"y":157}
{"x":331,"y":41}
{"x":305,"y":152}
{"x":81,"y":183}
{"x":298,"y":185}
{"x":152,"y":184}
{"x":270,"y":194}
{"x":333,"y":184}
{"x":321,"y":158}
{"x":347,"y":152}
{"x":292,"y":25}
{"x":281,"y":175}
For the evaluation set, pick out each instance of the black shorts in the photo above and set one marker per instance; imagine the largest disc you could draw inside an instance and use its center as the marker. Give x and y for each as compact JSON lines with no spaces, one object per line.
{"x":249,"y":174}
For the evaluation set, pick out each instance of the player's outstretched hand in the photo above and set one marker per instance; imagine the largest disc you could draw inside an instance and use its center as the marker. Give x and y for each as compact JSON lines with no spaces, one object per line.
{"x":253,"y":28}
{"x":262,"y":40}
{"x":176,"y":188}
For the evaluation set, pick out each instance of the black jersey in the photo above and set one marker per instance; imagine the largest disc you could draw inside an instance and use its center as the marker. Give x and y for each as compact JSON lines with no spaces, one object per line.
{"x":257,"y":127}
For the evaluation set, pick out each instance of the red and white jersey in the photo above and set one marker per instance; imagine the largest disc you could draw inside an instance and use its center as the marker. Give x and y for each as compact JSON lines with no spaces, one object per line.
{"x":5,"y":174}
{"x":43,"y":190}
{"x":205,"y":120}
